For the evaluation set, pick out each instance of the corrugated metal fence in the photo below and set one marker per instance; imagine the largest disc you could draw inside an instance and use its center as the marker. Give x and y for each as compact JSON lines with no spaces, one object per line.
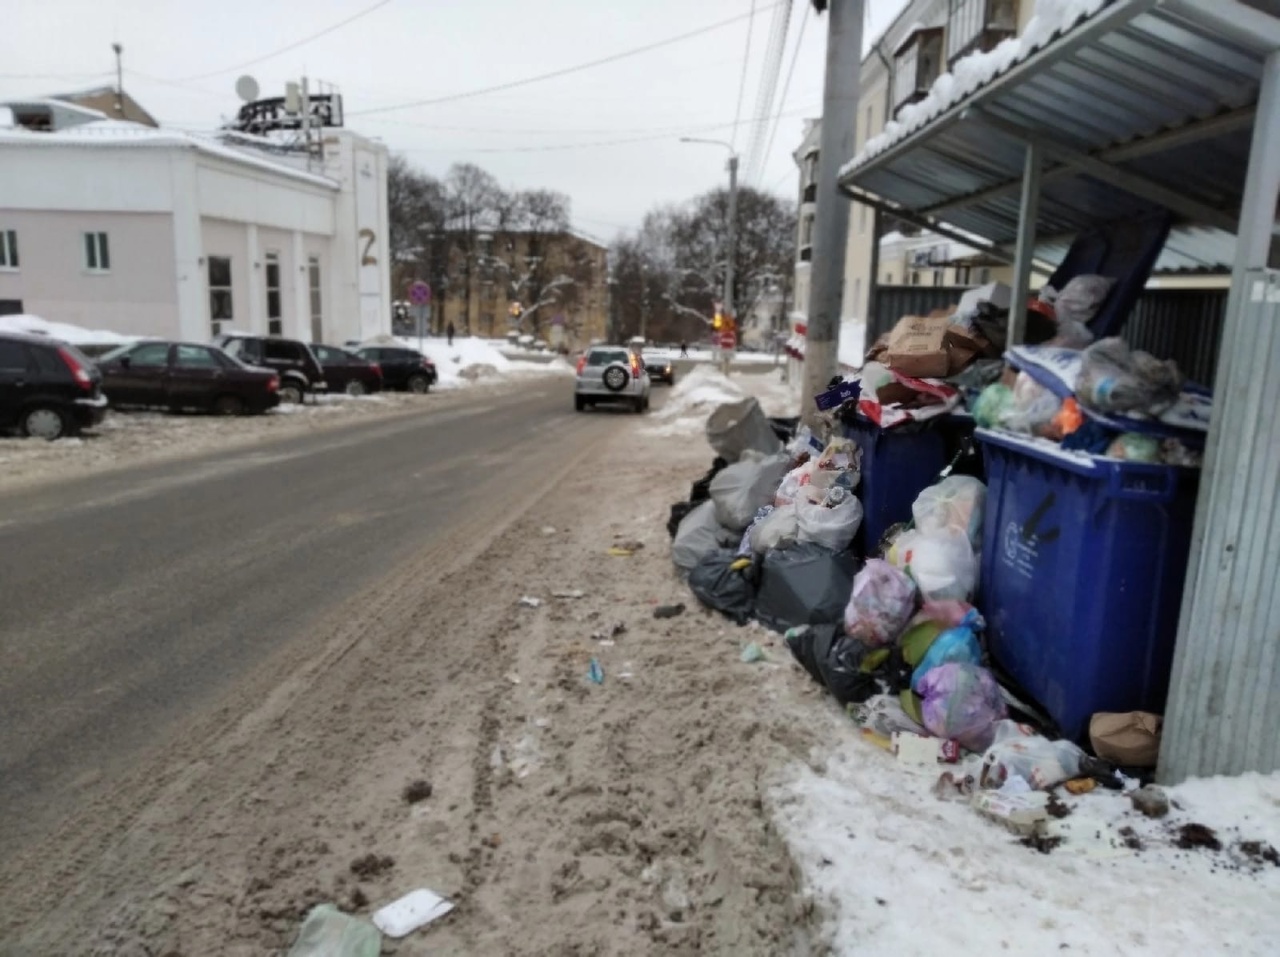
{"x":1180,"y":324}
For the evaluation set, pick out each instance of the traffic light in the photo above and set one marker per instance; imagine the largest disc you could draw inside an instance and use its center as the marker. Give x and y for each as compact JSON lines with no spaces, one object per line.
{"x":718,"y":322}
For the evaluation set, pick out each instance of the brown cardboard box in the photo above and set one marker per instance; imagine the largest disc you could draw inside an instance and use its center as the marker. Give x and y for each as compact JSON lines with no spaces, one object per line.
{"x":917,"y":347}
{"x":963,"y":347}
{"x":1130,"y":740}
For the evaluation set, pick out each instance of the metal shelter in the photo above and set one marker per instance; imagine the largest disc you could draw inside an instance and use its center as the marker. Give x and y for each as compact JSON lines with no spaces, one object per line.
{"x":1133,"y":108}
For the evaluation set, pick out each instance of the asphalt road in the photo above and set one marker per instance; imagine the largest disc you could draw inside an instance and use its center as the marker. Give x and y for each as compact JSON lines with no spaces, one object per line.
{"x":131,"y":600}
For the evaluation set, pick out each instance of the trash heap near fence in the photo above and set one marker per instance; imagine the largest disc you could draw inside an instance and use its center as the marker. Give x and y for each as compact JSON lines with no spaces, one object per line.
{"x":982,"y":554}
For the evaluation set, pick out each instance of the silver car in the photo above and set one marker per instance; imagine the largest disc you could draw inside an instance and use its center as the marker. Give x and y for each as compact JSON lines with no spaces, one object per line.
{"x":611,"y":374}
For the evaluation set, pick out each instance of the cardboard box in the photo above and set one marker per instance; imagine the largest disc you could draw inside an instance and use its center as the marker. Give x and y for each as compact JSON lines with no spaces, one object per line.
{"x":917,"y":347}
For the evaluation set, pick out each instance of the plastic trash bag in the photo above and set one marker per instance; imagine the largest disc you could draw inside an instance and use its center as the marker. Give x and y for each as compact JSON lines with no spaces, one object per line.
{"x":1032,"y":407}
{"x":737,"y":427}
{"x":700,"y":490}
{"x":884,"y":714}
{"x":742,"y":488}
{"x":1071,"y":335}
{"x":1080,"y":299}
{"x":942,"y":563}
{"x":806,"y":584}
{"x":992,"y":405}
{"x":880,"y":604}
{"x":778,"y":529}
{"x":959,"y":644}
{"x":832,"y":519}
{"x":961,"y":703}
{"x":1017,"y":751}
{"x":1135,"y":447}
{"x":957,"y":502}
{"x":699,"y":535}
{"x":844,"y":666}
{"x":717,"y":585}
{"x":327,"y":932}
{"x":1114,"y":379}
{"x":744,"y":546}
{"x":791,"y":484}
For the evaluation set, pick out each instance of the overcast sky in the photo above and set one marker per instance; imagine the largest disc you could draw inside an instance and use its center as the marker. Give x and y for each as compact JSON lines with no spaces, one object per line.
{"x":182,"y":58}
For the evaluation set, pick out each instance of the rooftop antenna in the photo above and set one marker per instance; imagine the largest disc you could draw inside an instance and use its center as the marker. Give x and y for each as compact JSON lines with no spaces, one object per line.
{"x":119,"y":78}
{"x":247,"y":88}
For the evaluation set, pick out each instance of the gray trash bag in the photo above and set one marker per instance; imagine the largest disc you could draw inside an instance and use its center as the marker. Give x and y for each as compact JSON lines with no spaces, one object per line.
{"x":700,"y":535}
{"x":735,"y":427}
{"x":804,"y":585}
{"x":742,"y":489}
{"x":714,"y":583}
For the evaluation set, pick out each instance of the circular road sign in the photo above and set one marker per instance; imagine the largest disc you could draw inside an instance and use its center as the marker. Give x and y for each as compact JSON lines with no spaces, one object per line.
{"x":419,"y":293}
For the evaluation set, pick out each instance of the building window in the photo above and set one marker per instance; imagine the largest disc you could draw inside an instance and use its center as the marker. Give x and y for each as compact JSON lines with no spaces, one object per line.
{"x":888,"y":279}
{"x":274,"y":314}
{"x":8,"y":249}
{"x":97,"y":257}
{"x":219,"y":291}
{"x":915,"y":278}
{"x":937,"y":277}
{"x":984,"y":276}
{"x":963,"y":275}
{"x":313,"y":281}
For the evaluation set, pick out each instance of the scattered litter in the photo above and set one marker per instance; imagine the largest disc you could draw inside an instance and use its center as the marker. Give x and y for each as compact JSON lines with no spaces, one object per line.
{"x":512,"y":677}
{"x":668,"y":611}
{"x":1023,"y":813}
{"x":918,"y":749}
{"x":529,"y":602}
{"x":1150,"y":800}
{"x":625,"y":674}
{"x":548,"y":529}
{"x":618,"y":552}
{"x":327,"y":932}
{"x":752,"y":653}
{"x":568,"y":593}
{"x":416,"y":791}
{"x":1080,"y":785}
{"x":595,"y":672}
{"x":606,"y":642}
{"x":416,"y":909}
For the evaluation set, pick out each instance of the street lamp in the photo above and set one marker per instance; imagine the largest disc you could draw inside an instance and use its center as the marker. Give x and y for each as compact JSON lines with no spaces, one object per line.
{"x":733,"y":215}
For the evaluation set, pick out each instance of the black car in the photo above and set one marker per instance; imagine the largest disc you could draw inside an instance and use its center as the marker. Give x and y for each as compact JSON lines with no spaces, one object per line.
{"x":660,"y":369}
{"x":186,"y":375}
{"x":48,"y":389}
{"x":402,"y":368}
{"x":344,"y":371}
{"x":293,"y":361}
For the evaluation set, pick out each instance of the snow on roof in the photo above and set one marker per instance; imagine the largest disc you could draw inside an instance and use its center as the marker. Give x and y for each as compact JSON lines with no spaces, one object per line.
{"x":1052,"y":17}
{"x":75,"y":335}
{"x":105,"y":132}
{"x":56,"y":104}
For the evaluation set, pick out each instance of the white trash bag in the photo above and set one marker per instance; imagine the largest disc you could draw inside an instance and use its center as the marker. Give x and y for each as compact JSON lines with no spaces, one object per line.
{"x":741,"y":489}
{"x":778,"y":529}
{"x":957,"y":502}
{"x":829,"y":517}
{"x":943,"y":563}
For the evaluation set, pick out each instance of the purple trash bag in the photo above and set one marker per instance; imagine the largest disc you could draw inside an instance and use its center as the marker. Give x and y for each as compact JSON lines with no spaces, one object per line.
{"x":962,"y":703}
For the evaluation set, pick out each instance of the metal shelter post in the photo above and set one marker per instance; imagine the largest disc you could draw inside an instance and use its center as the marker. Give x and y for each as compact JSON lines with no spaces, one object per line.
{"x":1224,"y":697}
{"x":1026,"y":244}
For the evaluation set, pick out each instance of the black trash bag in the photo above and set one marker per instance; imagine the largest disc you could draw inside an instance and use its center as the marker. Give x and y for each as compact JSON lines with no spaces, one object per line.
{"x":678,"y":511}
{"x":806,"y":584}
{"x":700,"y":491}
{"x":785,"y":428}
{"x":718,"y":586}
{"x":807,"y":643}
{"x":852,"y":669}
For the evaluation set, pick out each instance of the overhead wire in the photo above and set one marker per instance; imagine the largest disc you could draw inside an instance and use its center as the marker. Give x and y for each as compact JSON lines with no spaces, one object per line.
{"x":742,"y":83}
{"x":774,"y":52}
{"x":289,"y":46}
{"x":563,"y":71}
{"x":786,"y":86}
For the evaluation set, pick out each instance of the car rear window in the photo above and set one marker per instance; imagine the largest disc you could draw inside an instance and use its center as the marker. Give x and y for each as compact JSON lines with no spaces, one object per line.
{"x":280,"y":349}
{"x":13,"y":356}
{"x":603,"y":357}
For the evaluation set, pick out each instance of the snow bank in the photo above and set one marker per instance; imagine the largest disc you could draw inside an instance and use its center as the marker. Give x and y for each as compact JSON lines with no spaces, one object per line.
{"x":75,"y":335}
{"x":976,"y":70}
{"x":899,"y":871}
{"x":698,"y":392}
{"x":453,"y":362}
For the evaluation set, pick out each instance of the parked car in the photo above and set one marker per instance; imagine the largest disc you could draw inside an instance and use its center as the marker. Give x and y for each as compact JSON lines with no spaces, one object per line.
{"x":611,"y":374}
{"x":402,"y":368}
{"x":295,"y":363}
{"x":186,"y":375}
{"x":660,"y":368}
{"x":48,"y":389}
{"x":344,"y":371}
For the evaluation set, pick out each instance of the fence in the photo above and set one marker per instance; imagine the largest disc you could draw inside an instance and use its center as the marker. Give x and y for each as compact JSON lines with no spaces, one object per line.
{"x":1180,"y":324}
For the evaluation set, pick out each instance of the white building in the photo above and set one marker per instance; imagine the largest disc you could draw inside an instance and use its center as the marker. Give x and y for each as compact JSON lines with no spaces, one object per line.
{"x":119,"y":226}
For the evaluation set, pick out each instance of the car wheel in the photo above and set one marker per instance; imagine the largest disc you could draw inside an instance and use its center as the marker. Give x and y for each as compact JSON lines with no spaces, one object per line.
{"x":228,"y":405}
{"x":292,"y":393}
{"x":356,"y":388}
{"x":616,"y":378}
{"x":45,"y":422}
{"x":645,"y":408}
{"x":419,"y":384}
{"x":579,"y":404}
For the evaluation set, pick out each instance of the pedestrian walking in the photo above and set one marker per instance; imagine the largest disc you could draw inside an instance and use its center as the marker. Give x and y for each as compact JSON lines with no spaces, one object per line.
{"x":684,"y":350}
{"x":449,"y":332}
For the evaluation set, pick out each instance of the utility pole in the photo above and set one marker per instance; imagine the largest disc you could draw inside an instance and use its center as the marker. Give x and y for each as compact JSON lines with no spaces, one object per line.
{"x":831,"y":227}
{"x":732,"y":241}
{"x":119,"y":50}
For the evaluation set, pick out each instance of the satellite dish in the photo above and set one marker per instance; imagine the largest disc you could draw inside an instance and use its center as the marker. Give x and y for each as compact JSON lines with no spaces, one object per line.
{"x":247,"y":88}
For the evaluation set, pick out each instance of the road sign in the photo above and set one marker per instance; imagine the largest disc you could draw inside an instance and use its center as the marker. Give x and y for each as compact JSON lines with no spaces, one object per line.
{"x":419,"y":293}
{"x":729,"y":340}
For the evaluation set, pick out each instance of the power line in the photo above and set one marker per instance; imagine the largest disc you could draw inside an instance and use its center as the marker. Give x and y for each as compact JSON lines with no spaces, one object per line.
{"x":291,"y":46}
{"x":53,"y":76}
{"x":786,"y":86}
{"x":742,"y":83}
{"x":768,"y":87}
{"x":565,"y":71}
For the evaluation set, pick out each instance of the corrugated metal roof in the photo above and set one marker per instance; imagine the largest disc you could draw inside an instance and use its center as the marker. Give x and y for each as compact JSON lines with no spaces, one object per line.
{"x":1145,"y":104}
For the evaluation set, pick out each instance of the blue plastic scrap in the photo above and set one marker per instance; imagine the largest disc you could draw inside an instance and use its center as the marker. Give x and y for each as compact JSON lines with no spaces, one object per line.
{"x":595,"y":672}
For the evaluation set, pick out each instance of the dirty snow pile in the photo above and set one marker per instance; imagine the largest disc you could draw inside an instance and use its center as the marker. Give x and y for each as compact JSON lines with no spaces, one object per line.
{"x":976,"y":70}
{"x":705,"y":387}
{"x":472,"y":359}
{"x":698,"y":392}
{"x":900,"y":871}
{"x":75,"y":335}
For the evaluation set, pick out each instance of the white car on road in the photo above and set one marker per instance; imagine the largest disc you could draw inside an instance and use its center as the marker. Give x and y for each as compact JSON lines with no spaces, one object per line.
{"x":611,"y":374}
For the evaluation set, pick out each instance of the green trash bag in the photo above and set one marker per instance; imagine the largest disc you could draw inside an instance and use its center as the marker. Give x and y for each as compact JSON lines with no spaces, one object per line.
{"x":992,"y":405}
{"x":327,"y":932}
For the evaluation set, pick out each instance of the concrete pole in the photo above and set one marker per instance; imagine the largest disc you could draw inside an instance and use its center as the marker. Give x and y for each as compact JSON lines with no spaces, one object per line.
{"x":831,"y":227}
{"x":732,"y":241}
{"x":1026,"y":245}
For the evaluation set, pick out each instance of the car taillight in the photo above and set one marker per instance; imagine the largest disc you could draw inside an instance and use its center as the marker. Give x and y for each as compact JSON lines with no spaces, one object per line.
{"x":428,"y":364}
{"x":78,"y":372}
{"x":377,"y":369}
{"x":273,"y":384}
{"x":582,"y":364}
{"x":635,"y":366}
